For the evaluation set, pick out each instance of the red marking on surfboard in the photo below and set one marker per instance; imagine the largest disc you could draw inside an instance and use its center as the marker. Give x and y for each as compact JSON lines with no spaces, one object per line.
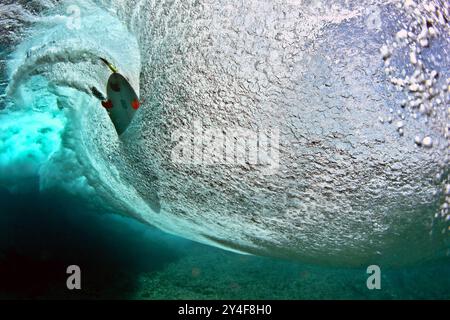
{"x":107,"y":104}
{"x":135,"y":104}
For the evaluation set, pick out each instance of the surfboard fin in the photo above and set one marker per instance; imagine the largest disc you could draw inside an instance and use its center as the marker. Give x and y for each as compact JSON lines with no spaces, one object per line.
{"x":110,"y":65}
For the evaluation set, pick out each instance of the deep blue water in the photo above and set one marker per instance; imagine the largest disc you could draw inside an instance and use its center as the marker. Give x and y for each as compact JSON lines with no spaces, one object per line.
{"x":42,"y":234}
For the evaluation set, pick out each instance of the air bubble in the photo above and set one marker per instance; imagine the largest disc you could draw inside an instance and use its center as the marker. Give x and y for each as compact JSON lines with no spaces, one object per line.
{"x":447,"y":189}
{"x":427,"y":142}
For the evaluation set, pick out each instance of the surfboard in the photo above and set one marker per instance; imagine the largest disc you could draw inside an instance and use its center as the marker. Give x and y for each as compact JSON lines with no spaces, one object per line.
{"x":122,"y":102}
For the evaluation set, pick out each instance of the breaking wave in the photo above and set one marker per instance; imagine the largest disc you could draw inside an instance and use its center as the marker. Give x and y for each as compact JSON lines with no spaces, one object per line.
{"x":352,"y":186}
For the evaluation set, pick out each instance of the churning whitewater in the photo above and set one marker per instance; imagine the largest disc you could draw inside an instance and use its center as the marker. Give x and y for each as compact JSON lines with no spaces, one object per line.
{"x":351,"y":102}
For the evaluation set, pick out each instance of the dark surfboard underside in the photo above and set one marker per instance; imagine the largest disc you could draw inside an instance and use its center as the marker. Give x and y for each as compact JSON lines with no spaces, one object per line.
{"x":122,"y":95}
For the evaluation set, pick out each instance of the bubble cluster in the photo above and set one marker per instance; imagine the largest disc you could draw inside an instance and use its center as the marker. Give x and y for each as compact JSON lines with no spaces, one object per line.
{"x":426,"y":90}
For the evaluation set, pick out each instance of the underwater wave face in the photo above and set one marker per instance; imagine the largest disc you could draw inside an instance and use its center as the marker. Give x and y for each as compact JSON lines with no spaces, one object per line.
{"x":354,"y":174}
